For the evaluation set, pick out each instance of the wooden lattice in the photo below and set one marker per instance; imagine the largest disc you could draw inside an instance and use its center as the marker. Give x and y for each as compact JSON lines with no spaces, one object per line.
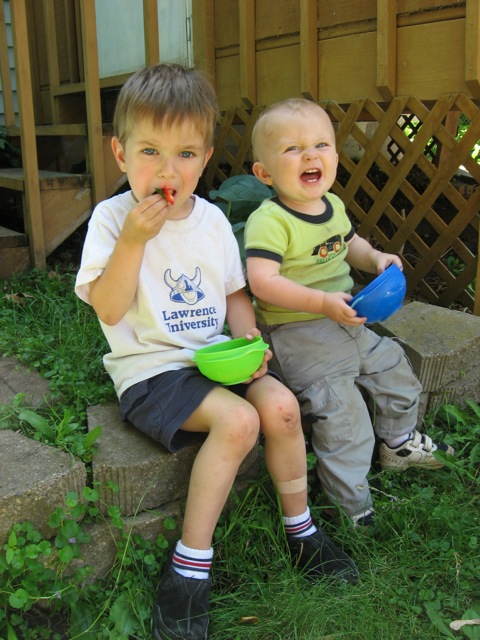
{"x":410,"y":202}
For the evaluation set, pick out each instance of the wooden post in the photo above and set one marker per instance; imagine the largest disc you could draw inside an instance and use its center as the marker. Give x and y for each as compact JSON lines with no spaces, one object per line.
{"x":451,"y":125}
{"x":32,"y":200}
{"x":472,"y":47}
{"x":203,"y":31}
{"x":150,"y":27}
{"x":92,"y":96}
{"x":308,"y":49}
{"x":7,"y":91}
{"x":476,"y":303}
{"x":387,"y":48}
{"x":248,"y":75}
{"x":52,"y":55}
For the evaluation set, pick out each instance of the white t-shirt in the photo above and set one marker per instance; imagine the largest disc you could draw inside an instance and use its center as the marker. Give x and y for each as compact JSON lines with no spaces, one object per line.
{"x":188,"y":270}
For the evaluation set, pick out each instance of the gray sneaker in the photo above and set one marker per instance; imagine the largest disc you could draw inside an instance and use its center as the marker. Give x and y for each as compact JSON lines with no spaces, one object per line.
{"x":417,"y":451}
{"x":319,"y":557}
{"x":181,"y":609}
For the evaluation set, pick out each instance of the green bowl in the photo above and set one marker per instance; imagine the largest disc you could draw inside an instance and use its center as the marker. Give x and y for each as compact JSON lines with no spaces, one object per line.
{"x":231,"y":362}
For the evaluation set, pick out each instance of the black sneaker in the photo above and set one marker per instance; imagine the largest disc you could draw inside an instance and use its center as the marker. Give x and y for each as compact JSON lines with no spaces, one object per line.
{"x":181,"y":610}
{"x":320,"y":557}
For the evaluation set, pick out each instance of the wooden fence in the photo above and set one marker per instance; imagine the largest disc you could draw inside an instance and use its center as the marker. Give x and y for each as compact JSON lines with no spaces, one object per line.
{"x":402,"y":188}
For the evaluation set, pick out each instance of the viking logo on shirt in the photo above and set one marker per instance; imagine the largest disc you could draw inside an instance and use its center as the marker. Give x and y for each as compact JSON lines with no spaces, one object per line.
{"x":184,"y":289}
{"x":187,"y":290}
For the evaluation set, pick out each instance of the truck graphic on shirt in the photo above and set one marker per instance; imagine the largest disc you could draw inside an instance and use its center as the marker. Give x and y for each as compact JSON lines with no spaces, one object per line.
{"x":332,"y":245}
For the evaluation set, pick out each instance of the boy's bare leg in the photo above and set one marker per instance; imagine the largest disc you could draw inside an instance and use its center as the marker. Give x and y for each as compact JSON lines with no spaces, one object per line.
{"x":232,"y":424}
{"x":285,"y":454}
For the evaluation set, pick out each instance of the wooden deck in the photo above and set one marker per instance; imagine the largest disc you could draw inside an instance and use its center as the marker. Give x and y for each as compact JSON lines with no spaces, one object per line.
{"x":373,"y":64}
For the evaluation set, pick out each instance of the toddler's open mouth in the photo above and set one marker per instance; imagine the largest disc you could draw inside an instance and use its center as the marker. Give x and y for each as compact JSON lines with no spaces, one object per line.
{"x":311,"y":176}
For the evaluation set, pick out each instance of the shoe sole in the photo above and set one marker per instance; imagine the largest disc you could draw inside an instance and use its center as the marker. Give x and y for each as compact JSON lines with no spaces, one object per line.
{"x":404,"y":467}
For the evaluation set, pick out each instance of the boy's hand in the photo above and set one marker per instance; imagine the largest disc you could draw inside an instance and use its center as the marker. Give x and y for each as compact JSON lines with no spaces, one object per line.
{"x":336,"y":308}
{"x":263,"y":368}
{"x":145,"y":220}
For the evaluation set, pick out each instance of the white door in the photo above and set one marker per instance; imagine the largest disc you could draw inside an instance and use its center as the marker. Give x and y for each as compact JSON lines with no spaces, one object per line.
{"x":121,"y":43}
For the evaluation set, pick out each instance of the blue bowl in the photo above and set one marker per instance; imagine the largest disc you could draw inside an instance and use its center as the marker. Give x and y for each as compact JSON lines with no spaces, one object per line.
{"x":382,"y":297}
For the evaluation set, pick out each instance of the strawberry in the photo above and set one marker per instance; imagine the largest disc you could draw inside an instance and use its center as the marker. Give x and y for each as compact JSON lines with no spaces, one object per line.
{"x":166,"y":194}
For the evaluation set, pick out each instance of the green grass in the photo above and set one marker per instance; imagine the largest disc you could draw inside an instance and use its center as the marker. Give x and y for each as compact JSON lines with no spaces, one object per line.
{"x":420,"y":566}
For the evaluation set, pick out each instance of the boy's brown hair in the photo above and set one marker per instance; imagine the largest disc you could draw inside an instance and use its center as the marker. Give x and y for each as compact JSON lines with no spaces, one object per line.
{"x":166,"y":93}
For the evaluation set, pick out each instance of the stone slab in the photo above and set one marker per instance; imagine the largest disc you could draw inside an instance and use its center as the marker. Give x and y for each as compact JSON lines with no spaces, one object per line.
{"x":442,"y":344}
{"x":15,"y":378}
{"x":34,"y":481}
{"x":467,"y":387}
{"x":101,"y":552}
{"x":146,"y":474}
{"x":422,"y":409}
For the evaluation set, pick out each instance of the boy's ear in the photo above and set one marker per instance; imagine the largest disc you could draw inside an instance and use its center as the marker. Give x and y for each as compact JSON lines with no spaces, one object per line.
{"x":208,"y":155}
{"x":119,"y":153}
{"x":261,"y":173}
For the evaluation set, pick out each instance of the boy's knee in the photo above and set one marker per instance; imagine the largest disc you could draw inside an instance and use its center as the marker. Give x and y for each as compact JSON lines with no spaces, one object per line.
{"x":284,"y":412}
{"x":242,"y":426}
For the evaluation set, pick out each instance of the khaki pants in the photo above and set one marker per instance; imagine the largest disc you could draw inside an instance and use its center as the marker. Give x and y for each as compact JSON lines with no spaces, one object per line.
{"x":327,"y":366}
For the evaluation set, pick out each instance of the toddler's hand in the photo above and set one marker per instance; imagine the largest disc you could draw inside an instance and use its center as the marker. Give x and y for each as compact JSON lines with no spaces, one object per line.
{"x":384,"y":260}
{"x":336,"y":308}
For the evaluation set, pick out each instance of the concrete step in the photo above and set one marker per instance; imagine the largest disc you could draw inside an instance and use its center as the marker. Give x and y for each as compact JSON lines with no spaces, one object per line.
{"x":443,"y":345}
{"x":146,"y":474}
{"x":34,"y":481}
{"x":10,"y":238}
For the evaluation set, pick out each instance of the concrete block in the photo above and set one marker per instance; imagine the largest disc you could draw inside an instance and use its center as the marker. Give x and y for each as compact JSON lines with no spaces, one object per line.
{"x":467,"y":387}
{"x":422,"y":408}
{"x":100,"y":553}
{"x":146,"y":474}
{"x":34,"y":481}
{"x":15,"y":378}
{"x":442,"y":344}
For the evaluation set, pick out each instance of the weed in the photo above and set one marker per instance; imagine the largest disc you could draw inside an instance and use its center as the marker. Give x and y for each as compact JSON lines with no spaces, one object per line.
{"x":46,"y":594}
{"x":420,"y":568}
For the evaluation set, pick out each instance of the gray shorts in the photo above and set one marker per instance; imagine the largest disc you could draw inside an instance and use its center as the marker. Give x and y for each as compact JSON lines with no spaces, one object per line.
{"x":160,"y":405}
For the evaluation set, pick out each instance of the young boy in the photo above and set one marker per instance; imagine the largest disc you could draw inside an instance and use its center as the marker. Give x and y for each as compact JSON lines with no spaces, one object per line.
{"x":163,"y":276}
{"x":300,"y":246}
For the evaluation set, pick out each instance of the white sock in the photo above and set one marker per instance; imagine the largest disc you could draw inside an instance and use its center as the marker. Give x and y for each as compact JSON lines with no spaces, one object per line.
{"x":299,"y":526}
{"x":393,"y":443}
{"x":192,"y":563}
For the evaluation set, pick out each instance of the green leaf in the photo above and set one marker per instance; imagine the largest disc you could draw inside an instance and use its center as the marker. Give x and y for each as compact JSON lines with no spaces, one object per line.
{"x":170,"y":524}
{"x":122,"y":616}
{"x":242,"y":188}
{"x":92,"y":436}
{"x":66,"y":554}
{"x":91,"y":495}
{"x":438,"y":621}
{"x":37,"y":422}
{"x":71,"y":499}
{"x":12,"y":539}
{"x":18,"y":599}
